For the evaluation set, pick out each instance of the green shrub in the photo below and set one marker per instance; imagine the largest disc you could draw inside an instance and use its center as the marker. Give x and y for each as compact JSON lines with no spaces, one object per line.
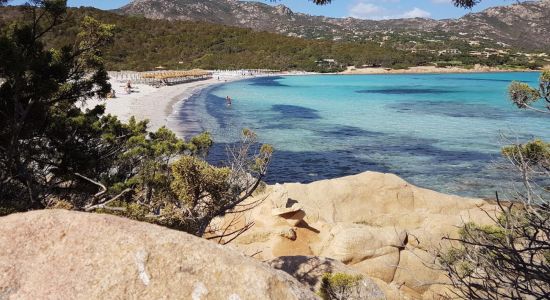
{"x":340,"y":286}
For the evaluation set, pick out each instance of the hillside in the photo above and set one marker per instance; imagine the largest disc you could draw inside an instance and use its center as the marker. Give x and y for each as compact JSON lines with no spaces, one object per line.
{"x":142,"y":44}
{"x":521,"y":25}
{"x":524,"y":25}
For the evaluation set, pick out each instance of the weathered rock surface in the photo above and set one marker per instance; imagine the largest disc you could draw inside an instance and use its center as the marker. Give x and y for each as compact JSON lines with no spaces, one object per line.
{"x":292,"y":213}
{"x":310,"y":269}
{"x":53,"y":254}
{"x":377,"y":224}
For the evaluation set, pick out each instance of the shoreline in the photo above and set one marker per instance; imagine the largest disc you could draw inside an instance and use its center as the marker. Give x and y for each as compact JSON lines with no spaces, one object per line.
{"x":428,"y":70}
{"x":158,"y":105}
{"x":155,"y":104}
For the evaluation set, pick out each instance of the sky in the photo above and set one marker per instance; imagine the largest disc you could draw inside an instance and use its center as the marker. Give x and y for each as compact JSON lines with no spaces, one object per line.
{"x":363,"y":9}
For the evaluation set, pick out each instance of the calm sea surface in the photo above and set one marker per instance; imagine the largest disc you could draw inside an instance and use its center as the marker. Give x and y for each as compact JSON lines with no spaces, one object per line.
{"x":441,"y":132}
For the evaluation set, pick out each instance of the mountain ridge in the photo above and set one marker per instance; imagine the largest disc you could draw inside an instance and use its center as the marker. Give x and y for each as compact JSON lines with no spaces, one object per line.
{"x":521,"y":25}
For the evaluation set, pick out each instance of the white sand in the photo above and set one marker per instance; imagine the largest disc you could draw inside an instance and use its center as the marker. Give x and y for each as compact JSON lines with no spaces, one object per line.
{"x":154,"y":104}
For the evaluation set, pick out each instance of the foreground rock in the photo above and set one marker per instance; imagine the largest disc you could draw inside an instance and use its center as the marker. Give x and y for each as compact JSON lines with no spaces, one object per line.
{"x":377,"y":224}
{"x":68,"y":255}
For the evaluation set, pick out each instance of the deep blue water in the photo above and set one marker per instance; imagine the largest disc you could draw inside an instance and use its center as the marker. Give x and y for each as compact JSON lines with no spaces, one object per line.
{"x":442,"y":132}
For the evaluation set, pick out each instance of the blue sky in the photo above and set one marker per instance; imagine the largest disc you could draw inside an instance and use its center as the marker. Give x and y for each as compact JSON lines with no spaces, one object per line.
{"x":365,"y":9}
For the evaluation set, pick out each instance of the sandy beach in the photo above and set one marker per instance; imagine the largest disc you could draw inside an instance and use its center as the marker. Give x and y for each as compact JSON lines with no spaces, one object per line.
{"x":157,"y":104}
{"x":152,"y":103}
{"x":427,"y":70}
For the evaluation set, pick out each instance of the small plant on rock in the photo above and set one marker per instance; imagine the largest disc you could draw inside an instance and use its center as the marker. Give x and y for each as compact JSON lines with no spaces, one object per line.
{"x":340,"y":286}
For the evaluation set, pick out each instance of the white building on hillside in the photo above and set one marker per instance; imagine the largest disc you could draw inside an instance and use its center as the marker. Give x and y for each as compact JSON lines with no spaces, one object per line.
{"x":450,"y":52}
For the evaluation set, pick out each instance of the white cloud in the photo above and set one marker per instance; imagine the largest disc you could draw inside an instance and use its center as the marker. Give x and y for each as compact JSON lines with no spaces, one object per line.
{"x":364,"y":10}
{"x":416,"y":13}
{"x":441,"y":1}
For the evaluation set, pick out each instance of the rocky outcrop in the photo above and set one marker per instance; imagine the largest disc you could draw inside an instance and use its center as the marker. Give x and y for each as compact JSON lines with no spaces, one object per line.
{"x":377,"y":224}
{"x":372,"y":224}
{"x":53,"y":254}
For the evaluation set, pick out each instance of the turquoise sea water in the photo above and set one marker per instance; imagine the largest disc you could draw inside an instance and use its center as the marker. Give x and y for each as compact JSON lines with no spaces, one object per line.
{"x":441,"y":132}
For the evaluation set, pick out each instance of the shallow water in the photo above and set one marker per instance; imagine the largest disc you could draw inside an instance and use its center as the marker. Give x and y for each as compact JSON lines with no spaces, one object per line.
{"x":441,"y":132}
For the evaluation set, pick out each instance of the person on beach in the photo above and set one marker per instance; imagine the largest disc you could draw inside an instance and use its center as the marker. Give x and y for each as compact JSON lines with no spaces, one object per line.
{"x":129,"y":87}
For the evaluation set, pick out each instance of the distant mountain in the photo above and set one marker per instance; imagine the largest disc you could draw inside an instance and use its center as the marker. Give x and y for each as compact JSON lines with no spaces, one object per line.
{"x":523,"y":25}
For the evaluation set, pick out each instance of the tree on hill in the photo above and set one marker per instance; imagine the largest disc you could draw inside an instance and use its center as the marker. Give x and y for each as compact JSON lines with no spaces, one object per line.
{"x":53,"y":154}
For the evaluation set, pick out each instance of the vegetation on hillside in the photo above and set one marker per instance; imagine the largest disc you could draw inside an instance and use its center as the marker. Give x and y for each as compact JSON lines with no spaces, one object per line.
{"x":512,"y":27}
{"x":142,"y":44}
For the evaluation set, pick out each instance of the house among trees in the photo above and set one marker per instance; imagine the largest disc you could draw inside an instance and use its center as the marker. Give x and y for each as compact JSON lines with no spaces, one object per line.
{"x":327,"y":62}
{"x":450,"y":52}
{"x":480,"y":53}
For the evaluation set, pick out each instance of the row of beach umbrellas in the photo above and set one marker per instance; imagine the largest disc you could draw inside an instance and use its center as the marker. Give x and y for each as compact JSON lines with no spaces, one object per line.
{"x":175,"y":74}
